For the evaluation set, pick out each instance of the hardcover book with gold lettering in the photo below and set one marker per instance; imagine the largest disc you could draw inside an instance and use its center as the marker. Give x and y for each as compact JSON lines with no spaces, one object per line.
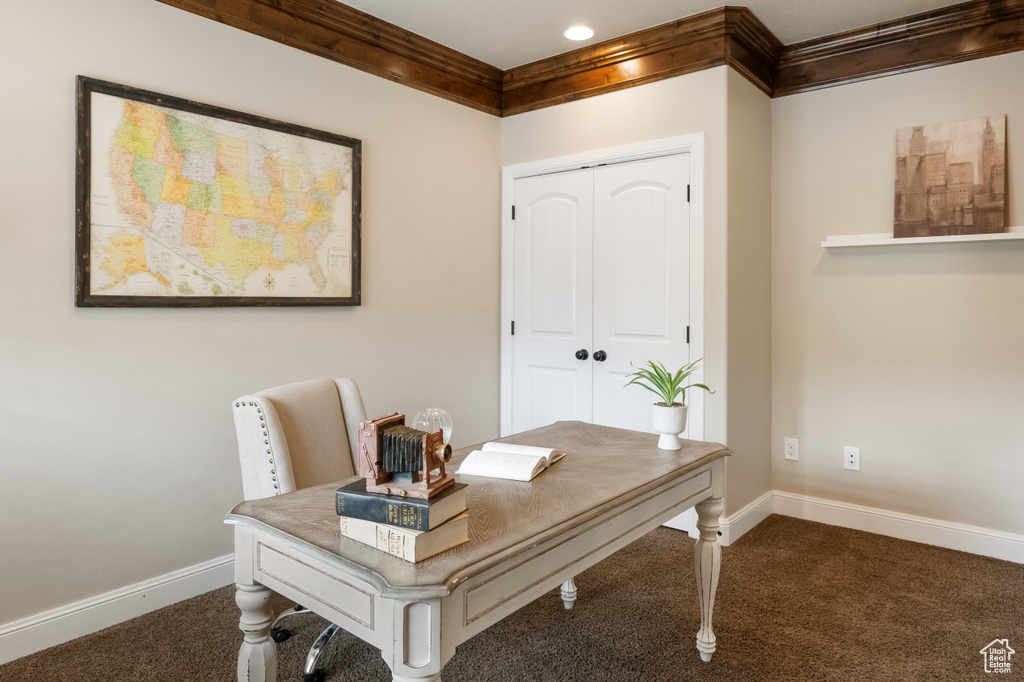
{"x":355,"y":502}
{"x":404,"y":543}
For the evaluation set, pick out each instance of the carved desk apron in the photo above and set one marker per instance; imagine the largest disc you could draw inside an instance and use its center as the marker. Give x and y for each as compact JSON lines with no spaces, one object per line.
{"x":613,"y":487}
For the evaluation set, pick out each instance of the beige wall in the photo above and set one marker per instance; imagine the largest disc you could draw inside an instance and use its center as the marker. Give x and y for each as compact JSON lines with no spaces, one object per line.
{"x":912,"y":353}
{"x":695,"y":103}
{"x":118,"y":447}
{"x":748,"y":281}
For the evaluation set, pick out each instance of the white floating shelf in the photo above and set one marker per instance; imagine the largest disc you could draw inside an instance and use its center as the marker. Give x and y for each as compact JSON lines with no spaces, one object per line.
{"x":886,"y":239}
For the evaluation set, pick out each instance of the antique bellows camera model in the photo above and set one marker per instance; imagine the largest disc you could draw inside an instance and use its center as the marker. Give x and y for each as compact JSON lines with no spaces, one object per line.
{"x":398,"y":460}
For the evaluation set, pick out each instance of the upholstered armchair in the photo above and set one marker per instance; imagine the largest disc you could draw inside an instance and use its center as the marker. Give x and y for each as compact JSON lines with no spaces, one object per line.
{"x":293,"y":437}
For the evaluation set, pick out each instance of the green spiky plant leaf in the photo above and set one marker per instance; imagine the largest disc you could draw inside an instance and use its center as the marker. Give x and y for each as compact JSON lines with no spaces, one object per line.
{"x":653,"y":376}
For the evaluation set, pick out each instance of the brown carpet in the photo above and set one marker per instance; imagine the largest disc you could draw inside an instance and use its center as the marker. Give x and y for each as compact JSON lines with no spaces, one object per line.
{"x":797,"y":601}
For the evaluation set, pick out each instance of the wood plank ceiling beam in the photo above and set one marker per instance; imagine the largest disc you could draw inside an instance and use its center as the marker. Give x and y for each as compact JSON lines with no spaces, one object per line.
{"x":730,"y":36}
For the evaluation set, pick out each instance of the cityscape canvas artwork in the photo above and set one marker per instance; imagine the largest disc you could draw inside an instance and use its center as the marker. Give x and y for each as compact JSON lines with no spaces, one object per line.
{"x":950,"y":178}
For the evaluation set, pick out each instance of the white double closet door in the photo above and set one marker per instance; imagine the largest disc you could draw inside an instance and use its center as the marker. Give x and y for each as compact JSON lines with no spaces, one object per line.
{"x":600,"y":280}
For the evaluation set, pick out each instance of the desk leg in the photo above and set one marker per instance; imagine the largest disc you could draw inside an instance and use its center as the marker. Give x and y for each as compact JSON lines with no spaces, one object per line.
{"x":257,"y":659}
{"x":415,"y":652}
{"x":707,"y":560}
{"x":569,"y":593}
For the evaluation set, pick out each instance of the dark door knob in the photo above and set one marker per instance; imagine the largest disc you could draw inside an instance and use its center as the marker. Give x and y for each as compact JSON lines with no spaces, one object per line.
{"x":600,"y":356}
{"x":582,"y":354}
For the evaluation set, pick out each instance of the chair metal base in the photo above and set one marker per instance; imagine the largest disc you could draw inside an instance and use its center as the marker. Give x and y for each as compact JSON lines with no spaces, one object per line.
{"x":279,"y":634}
{"x":312,"y":674}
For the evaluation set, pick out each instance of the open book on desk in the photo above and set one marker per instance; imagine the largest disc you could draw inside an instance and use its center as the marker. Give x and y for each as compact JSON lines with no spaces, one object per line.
{"x":507,"y":460}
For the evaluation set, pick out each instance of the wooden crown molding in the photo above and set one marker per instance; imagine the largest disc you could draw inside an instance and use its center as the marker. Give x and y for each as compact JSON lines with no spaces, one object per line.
{"x":340,"y":33}
{"x":971,"y":30}
{"x":728,"y":35}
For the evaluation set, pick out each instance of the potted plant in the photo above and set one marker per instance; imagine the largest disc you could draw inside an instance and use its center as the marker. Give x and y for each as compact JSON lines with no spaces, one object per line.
{"x":669,"y":413}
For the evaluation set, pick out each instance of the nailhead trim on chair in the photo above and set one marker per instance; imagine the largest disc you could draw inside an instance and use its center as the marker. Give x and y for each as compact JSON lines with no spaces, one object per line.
{"x":266,"y":441}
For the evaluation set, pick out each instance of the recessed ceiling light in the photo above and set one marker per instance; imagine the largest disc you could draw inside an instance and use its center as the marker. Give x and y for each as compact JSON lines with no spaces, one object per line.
{"x":578,"y":33}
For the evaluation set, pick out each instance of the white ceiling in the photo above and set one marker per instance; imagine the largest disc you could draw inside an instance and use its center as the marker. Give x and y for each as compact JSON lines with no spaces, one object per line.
{"x":507,"y":33}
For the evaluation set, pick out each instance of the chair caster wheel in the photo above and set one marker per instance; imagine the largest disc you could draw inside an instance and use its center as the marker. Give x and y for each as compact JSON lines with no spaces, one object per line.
{"x":280,"y":634}
{"x":315,"y":676}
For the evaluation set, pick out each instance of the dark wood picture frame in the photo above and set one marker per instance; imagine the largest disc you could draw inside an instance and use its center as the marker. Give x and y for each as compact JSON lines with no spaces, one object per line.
{"x":85,"y":297}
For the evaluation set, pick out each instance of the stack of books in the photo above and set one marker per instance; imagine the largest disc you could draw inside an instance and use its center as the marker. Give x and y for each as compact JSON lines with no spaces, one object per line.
{"x":406,"y":527}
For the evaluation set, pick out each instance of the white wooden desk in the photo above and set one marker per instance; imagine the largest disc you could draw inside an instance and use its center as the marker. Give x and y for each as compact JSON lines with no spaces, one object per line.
{"x":613,"y":487}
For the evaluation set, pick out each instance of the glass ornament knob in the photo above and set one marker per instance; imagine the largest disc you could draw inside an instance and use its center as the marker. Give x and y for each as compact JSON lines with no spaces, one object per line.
{"x":432,"y":419}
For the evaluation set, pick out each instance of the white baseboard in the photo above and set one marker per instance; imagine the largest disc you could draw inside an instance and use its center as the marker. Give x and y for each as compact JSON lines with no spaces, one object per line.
{"x":959,"y":536}
{"x":735,"y":525}
{"x":686,"y":522}
{"x":732,"y":526}
{"x":43,"y":630}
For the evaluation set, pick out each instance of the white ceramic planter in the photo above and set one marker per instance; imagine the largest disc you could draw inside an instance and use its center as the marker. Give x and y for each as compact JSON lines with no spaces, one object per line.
{"x":669,"y":421}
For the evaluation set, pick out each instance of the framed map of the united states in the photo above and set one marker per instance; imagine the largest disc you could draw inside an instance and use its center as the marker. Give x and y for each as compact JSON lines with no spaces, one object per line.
{"x":186,"y":204}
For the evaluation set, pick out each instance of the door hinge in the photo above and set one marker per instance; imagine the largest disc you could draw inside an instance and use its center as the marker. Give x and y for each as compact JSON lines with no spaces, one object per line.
{"x":513,"y":327}
{"x":687,"y":195}
{"x":513,"y":211}
{"x":687,"y":333}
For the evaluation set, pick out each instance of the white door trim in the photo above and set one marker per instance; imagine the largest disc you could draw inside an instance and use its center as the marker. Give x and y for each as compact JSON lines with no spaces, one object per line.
{"x":689,"y":144}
